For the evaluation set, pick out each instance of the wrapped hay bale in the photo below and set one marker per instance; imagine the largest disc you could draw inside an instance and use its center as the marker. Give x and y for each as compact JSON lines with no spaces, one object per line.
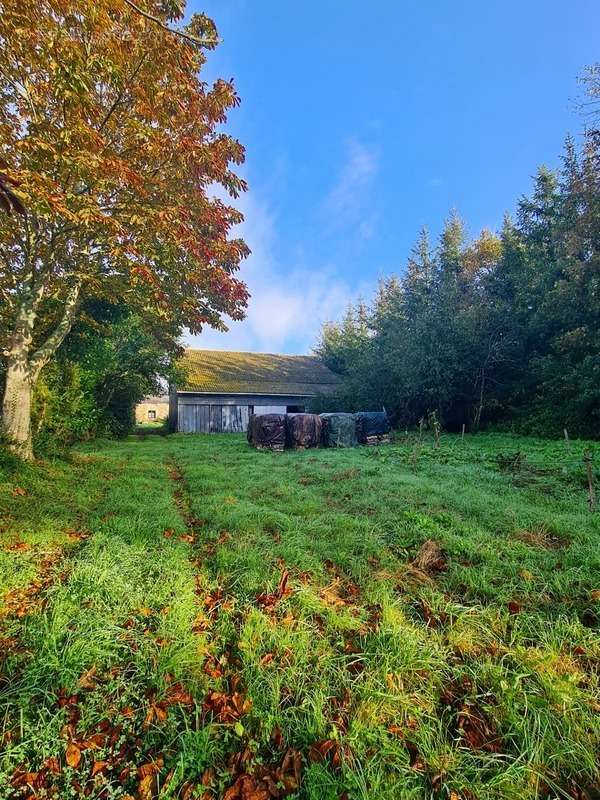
{"x":373,"y":427}
{"x":304,"y":430}
{"x":339,"y":430}
{"x":267,"y":431}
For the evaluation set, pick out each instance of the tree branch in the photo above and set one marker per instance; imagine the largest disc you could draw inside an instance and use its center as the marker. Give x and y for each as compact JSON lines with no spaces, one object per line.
{"x":119,"y":96}
{"x":157,"y":21}
{"x":43,"y":354}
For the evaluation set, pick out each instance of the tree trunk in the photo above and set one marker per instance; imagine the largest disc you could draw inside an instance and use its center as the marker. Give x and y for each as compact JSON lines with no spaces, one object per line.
{"x":24,"y":368}
{"x":16,"y":408}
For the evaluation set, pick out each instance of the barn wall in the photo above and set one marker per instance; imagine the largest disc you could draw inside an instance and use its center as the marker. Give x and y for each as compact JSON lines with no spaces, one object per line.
{"x":212,"y":418}
{"x":279,"y":409}
{"x":204,"y":413}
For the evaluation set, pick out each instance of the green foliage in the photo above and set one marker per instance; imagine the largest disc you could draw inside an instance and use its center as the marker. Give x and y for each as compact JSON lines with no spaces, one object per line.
{"x":108,"y":364}
{"x":501,"y":329}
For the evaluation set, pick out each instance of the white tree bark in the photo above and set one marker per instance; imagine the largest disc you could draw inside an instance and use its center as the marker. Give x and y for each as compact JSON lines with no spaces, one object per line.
{"x":24,"y":367}
{"x":16,"y":410}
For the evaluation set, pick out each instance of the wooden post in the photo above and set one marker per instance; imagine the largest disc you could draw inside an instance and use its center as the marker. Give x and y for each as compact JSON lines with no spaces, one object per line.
{"x":415,"y":456}
{"x":587,"y":458}
{"x":462,"y":435}
{"x":567,"y":441}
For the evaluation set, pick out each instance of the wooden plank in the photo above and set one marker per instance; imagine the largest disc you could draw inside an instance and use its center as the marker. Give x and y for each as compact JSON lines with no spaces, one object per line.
{"x":244,"y":415}
{"x":228,"y":419}
{"x":237,"y":425}
{"x":204,"y":412}
{"x":216,"y":419}
{"x":184,"y":419}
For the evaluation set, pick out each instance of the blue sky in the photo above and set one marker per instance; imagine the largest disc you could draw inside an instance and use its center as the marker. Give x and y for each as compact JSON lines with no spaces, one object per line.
{"x":364,"y":122}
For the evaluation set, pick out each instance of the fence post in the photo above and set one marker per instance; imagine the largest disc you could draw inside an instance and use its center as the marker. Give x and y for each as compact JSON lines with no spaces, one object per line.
{"x":567,"y":441}
{"x":462,"y":435}
{"x":587,"y":458}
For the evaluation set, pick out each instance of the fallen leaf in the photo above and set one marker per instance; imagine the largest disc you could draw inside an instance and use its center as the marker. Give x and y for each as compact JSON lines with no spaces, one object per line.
{"x":277,"y":737}
{"x":177,"y":694}
{"x":269,"y":601}
{"x":147,"y":787}
{"x":88,"y":679}
{"x":52,"y":764}
{"x":17,"y":547}
{"x":156,"y":711}
{"x":149,"y":768}
{"x":430,"y":557}
{"x":476,"y":730}
{"x":73,"y":755}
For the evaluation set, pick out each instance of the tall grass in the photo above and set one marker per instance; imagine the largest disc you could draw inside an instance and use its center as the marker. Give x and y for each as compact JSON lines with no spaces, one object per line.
{"x":229,"y":605}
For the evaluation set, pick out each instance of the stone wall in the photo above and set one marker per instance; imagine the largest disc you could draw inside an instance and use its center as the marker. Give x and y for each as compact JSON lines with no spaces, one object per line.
{"x":143,"y":411}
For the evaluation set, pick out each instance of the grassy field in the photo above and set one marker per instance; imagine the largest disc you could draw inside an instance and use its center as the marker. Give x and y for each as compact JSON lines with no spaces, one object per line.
{"x":184,"y":617}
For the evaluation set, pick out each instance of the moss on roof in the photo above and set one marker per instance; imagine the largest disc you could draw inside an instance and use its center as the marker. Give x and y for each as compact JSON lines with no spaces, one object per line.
{"x":225,"y":372}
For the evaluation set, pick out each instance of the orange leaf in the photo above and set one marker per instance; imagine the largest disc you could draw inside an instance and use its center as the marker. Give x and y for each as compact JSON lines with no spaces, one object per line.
{"x":52,"y":764}
{"x":73,"y":755}
{"x":149,"y":768}
{"x":146,"y":787}
{"x":88,"y":679}
{"x":98,"y":767}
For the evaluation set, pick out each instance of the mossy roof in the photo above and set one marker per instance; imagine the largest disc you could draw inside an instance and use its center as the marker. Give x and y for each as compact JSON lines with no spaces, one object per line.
{"x":224,"y":372}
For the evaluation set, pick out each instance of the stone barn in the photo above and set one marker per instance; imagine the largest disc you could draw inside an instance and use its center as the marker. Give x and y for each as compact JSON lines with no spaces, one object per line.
{"x":221,"y":389}
{"x":152,"y":409}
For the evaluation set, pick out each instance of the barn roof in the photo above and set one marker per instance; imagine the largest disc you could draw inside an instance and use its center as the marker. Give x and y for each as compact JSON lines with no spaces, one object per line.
{"x":224,"y":372}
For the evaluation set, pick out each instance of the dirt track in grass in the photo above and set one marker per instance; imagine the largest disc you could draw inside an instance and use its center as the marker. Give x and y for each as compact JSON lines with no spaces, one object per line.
{"x":376,"y":623}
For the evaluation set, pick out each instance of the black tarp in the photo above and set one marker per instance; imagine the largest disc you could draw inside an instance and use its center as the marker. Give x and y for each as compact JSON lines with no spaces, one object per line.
{"x":267,"y":431}
{"x":304,"y":430}
{"x":339,"y":430}
{"x":371,"y":423}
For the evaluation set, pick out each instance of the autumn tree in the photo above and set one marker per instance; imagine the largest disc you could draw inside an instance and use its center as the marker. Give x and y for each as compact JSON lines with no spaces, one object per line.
{"x":110,"y":146}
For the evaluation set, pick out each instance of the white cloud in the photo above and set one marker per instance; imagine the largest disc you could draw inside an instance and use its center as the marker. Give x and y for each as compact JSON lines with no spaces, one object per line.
{"x":366,"y":229}
{"x":287,"y":306}
{"x":349,"y":193}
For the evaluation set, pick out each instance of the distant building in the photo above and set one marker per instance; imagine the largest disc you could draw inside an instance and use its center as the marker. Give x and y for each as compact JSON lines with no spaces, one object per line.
{"x":221,"y":389}
{"x":152,"y":409}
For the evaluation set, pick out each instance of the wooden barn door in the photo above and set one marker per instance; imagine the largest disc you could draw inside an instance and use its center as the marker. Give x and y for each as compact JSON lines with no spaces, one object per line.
{"x":193,"y":418}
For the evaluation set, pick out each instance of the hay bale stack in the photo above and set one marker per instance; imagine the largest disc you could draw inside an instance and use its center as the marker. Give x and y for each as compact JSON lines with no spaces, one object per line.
{"x":373,"y":427}
{"x":339,"y":430}
{"x":304,"y":430}
{"x":267,"y":431}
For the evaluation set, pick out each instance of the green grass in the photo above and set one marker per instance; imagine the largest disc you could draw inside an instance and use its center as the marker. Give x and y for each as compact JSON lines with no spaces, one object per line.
{"x":144,"y":638}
